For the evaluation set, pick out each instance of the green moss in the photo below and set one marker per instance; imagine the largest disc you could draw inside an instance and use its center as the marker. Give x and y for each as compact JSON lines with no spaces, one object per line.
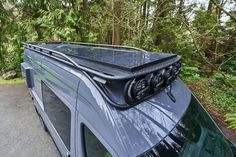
{"x":12,"y":81}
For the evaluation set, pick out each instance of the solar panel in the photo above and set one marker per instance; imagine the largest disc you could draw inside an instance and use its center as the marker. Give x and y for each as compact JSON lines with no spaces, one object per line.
{"x":129,"y":60}
{"x":136,"y":73}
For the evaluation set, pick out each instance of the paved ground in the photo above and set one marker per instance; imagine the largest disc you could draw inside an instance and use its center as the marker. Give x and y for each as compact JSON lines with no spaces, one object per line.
{"x":21,"y":134}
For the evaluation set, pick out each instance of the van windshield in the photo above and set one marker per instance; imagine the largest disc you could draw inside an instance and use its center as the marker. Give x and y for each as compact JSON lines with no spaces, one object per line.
{"x":196,"y":135}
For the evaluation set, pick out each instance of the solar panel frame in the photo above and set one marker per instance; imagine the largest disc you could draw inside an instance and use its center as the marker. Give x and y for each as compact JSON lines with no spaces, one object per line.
{"x":99,"y":69}
{"x":101,"y":56}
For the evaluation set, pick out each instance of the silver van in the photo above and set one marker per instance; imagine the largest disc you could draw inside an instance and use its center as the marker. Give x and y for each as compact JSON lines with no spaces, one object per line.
{"x":118,"y":101}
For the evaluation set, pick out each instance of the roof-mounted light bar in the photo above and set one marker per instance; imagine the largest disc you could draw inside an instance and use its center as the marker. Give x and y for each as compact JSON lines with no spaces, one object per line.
{"x":142,"y":88}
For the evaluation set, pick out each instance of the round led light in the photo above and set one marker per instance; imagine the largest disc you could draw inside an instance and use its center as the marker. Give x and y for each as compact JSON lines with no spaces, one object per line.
{"x":136,"y":90}
{"x":168,"y":75}
{"x":175,"y":70}
{"x":140,"y":89}
{"x":157,"y":81}
{"x":168,"y":72}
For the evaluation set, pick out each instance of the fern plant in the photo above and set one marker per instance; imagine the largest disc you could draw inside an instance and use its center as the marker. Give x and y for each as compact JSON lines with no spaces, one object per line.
{"x":231,"y":119}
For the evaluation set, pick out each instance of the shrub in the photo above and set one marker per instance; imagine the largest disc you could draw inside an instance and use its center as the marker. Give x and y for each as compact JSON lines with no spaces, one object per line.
{"x":190,"y":72}
{"x":231,"y":119}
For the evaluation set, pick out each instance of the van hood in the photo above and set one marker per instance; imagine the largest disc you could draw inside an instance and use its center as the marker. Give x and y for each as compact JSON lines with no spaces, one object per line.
{"x":143,"y":126}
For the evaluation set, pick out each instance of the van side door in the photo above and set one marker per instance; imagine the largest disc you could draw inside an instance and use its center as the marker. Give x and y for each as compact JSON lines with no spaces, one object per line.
{"x":59,"y":93}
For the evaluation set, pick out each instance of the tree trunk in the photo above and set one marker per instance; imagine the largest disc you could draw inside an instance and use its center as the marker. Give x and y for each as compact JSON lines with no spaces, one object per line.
{"x":160,"y":12}
{"x":147,"y":15}
{"x":116,"y":27}
{"x":84,"y":27}
{"x":144,"y":10}
{"x":85,"y":5}
{"x":209,"y":8}
{"x":109,"y":37}
{"x":143,"y":22}
{"x":218,"y":15}
{"x":181,"y":6}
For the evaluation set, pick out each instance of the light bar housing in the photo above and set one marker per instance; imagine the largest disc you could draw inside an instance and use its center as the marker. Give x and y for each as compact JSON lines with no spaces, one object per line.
{"x":140,"y":89}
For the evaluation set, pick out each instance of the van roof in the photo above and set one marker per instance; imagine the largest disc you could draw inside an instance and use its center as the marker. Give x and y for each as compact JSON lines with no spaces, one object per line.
{"x":106,"y":61}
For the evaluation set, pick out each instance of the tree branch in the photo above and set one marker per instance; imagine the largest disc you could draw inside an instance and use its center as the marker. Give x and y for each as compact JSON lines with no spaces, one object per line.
{"x":208,"y":62}
{"x":221,"y":8}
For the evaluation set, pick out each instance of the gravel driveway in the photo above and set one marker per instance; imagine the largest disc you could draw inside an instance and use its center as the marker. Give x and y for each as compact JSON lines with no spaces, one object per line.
{"x":21,"y":134}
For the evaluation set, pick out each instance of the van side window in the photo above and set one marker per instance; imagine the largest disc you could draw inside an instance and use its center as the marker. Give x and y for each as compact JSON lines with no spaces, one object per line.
{"x":93,"y":147}
{"x":58,"y":113}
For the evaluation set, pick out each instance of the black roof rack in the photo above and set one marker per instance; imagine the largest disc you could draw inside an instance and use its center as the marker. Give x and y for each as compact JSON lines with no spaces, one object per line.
{"x":127,"y":65}
{"x":105,"y":62}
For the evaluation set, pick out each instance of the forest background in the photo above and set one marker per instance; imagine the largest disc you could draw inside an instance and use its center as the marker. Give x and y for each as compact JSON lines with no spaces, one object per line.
{"x":203,"y":32}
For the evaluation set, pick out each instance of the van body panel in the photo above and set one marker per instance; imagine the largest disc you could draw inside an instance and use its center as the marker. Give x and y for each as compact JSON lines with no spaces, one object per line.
{"x":34,"y":60}
{"x":146,"y":124}
{"x":123,"y":132}
{"x":93,"y":110}
{"x":55,"y":77}
{"x":139,"y":128}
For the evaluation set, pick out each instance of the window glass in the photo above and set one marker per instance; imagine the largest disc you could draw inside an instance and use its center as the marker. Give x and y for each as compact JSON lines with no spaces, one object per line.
{"x":58,"y":113}
{"x":93,"y":147}
{"x":196,"y":135}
